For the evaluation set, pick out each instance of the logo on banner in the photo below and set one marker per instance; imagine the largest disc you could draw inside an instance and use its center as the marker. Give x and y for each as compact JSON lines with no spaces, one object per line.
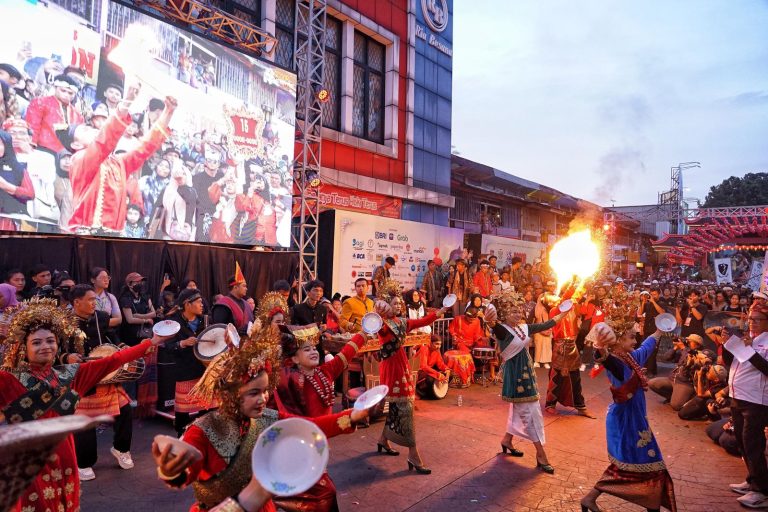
{"x":723,"y":270}
{"x":245,"y":129}
{"x":435,"y":14}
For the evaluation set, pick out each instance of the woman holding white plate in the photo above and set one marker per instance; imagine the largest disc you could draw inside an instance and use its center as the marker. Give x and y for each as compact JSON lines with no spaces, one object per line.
{"x":216,"y":459}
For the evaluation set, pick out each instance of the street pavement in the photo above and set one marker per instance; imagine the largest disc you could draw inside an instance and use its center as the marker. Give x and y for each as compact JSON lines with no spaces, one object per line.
{"x":461,"y":445}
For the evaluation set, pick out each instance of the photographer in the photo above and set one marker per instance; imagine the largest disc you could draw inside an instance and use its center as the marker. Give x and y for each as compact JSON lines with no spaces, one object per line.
{"x":649,"y":309}
{"x":709,"y":380}
{"x":63,"y":285}
{"x":41,"y":276}
{"x":690,"y":315}
{"x":678,"y":388}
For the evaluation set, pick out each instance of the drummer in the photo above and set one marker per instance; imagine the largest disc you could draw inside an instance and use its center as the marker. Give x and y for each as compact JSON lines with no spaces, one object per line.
{"x":234,"y":308}
{"x":108,"y":399}
{"x":186,"y":369}
{"x":467,"y":331}
{"x":432,"y":368}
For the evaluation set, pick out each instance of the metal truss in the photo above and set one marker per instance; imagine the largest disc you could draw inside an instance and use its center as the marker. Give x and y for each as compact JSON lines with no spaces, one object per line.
{"x":309,"y":59}
{"x":212,"y":21}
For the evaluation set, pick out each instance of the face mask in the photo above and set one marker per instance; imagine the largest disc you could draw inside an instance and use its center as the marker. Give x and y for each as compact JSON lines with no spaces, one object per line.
{"x":139,"y":287}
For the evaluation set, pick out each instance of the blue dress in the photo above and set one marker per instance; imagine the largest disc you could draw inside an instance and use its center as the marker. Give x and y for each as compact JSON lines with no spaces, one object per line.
{"x":631,"y":444}
{"x":637,"y":472}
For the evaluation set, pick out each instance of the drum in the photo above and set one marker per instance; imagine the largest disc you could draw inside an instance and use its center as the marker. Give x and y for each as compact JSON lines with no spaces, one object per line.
{"x":130,"y":371}
{"x":484,"y":353}
{"x":432,"y":389}
{"x":462,"y":368}
{"x":210,"y":343}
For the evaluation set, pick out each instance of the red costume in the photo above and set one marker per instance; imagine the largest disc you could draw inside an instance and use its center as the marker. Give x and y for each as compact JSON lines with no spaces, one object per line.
{"x":57,"y":486}
{"x":431,"y":362}
{"x":45,"y":115}
{"x":467,"y":334}
{"x":395,"y":372}
{"x":484,"y":283}
{"x":99,"y":178}
{"x":313,"y":396}
{"x":225,"y":468}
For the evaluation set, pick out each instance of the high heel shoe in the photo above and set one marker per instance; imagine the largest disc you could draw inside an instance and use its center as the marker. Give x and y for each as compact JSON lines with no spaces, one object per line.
{"x":547,"y":468}
{"x":387,"y":450}
{"x":419,"y":469}
{"x":512,"y":451}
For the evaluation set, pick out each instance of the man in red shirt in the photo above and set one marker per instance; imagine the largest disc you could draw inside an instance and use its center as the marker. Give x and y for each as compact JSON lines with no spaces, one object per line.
{"x":564,"y":376}
{"x":483,"y":280}
{"x":431,"y":366}
{"x":48,"y":114}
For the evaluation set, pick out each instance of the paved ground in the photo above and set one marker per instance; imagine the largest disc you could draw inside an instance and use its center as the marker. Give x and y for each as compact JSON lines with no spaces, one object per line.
{"x":461,"y":445}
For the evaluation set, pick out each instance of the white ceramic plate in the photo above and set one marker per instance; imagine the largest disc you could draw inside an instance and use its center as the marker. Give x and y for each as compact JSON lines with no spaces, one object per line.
{"x":163,"y":441}
{"x":566,"y":305}
{"x":665,"y":322}
{"x":166,"y":328}
{"x":234,"y":337}
{"x":371,"y":397}
{"x":371,"y":323}
{"x":290,"y":456}
{"x":449,"y":300}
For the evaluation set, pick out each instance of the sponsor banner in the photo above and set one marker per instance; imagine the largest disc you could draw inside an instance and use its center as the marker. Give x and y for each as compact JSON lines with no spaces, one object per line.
{"x":340,"y":198}
{"x":363,"y":241}
{"x":507,"y":248}
{"x":723,"y":270}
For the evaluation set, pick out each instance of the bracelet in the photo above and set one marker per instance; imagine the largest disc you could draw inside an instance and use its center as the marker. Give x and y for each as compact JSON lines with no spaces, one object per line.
{"x":230,"y":505}
{"x":163,"y":476}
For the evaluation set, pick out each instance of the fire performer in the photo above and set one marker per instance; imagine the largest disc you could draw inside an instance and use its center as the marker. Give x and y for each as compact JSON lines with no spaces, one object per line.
{"x":396,"y":373}
{"x":520,"y":388}
{"x":637,"y":472}
{"x":565,"y":376}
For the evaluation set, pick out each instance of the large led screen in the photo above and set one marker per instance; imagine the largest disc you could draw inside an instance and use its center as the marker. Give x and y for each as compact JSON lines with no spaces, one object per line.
{"x":117,"y":124}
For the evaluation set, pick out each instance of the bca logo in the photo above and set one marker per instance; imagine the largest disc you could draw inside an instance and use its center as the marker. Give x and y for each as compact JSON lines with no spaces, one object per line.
{"x":435,"y":14}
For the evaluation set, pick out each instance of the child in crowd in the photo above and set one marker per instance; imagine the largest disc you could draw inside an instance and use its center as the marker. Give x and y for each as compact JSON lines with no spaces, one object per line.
{"x":134,"y":223}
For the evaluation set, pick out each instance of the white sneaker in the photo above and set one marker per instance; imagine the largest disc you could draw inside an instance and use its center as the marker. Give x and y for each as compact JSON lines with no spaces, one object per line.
{"x":582,"y":367}
{"x":536,"y":365}
{"x":754,"y":499}
{"x":546,"y":365}
{"x":86,"y":474}
{"x":123,"y":459}
{"x":742,"y":488}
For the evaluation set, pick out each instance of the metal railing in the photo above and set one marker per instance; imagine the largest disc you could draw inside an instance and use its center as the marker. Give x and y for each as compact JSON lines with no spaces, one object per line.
{"x":440,"y":328}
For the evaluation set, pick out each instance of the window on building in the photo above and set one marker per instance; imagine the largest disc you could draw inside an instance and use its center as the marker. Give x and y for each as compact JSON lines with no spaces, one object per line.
{"x":246,"y":10}
{"x":285,"y":27}
{"x":368,"y":89}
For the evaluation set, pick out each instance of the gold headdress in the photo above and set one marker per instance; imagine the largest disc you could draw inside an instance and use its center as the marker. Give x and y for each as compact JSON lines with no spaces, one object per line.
{"x":269,"y":305}
{"x":39,"y":313}
{"x":231,"y":370}
{"x":505,"y":301}
{"x":389,"y":289}
{"x":620,"y":316}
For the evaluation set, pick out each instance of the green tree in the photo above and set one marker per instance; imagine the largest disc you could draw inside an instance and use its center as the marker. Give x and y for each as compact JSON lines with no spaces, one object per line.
{"x":751,"y":189}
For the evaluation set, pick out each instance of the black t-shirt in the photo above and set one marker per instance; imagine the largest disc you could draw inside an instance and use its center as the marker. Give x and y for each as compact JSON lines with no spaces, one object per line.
{"x":649,"y":324}
{"x":129,"y":332}
{"x":692,"y":325}
{"x":201,"y":182}
{"x":95,"y":333}
{"x":303,"y":314}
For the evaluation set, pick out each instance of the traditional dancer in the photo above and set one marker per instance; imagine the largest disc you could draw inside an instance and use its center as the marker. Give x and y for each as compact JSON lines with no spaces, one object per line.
{"x":637,"y":472}
{"x":32,"y":388}
{"x":520,"y":388}
{"x":306,"y":389}
{"x":240,"y":380}
{"x":564,"y":376}
{"x":396,"y":373}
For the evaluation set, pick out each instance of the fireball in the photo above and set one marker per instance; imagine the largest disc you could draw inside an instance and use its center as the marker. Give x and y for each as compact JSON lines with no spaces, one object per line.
{"x":575,"y":255}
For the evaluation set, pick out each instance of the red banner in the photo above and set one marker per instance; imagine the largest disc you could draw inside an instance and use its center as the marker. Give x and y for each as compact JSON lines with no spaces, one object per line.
{"x":359,"y":201}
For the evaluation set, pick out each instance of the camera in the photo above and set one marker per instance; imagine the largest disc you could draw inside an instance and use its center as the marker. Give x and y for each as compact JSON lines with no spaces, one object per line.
{"x":45,"y":292}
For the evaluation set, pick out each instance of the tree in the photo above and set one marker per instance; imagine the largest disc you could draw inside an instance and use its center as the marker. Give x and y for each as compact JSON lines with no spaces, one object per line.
{"x":751,"y":189}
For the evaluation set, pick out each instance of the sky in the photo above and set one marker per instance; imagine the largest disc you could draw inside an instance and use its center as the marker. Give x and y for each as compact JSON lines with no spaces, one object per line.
{"x":600,"y":99}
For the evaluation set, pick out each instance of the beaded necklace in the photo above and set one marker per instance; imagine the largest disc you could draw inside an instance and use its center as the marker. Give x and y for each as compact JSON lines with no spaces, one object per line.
{"x":324,"y":387}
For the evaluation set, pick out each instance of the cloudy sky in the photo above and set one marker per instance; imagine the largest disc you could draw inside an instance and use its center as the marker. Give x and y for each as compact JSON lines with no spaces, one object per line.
{"x":601,"y":98}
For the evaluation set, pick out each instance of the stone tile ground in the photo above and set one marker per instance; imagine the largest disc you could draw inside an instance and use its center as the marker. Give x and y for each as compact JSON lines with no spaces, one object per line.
{"x":461,"y":445}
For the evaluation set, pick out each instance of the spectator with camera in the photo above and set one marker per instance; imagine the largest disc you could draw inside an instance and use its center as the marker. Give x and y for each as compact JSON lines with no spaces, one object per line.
{"x":62,"y":286}
{"x":41,"y":276}
{"x":678,"y":388}
{"x":711,"y":383}
{"x":689,"y":314}
{"x":748,"y":385}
